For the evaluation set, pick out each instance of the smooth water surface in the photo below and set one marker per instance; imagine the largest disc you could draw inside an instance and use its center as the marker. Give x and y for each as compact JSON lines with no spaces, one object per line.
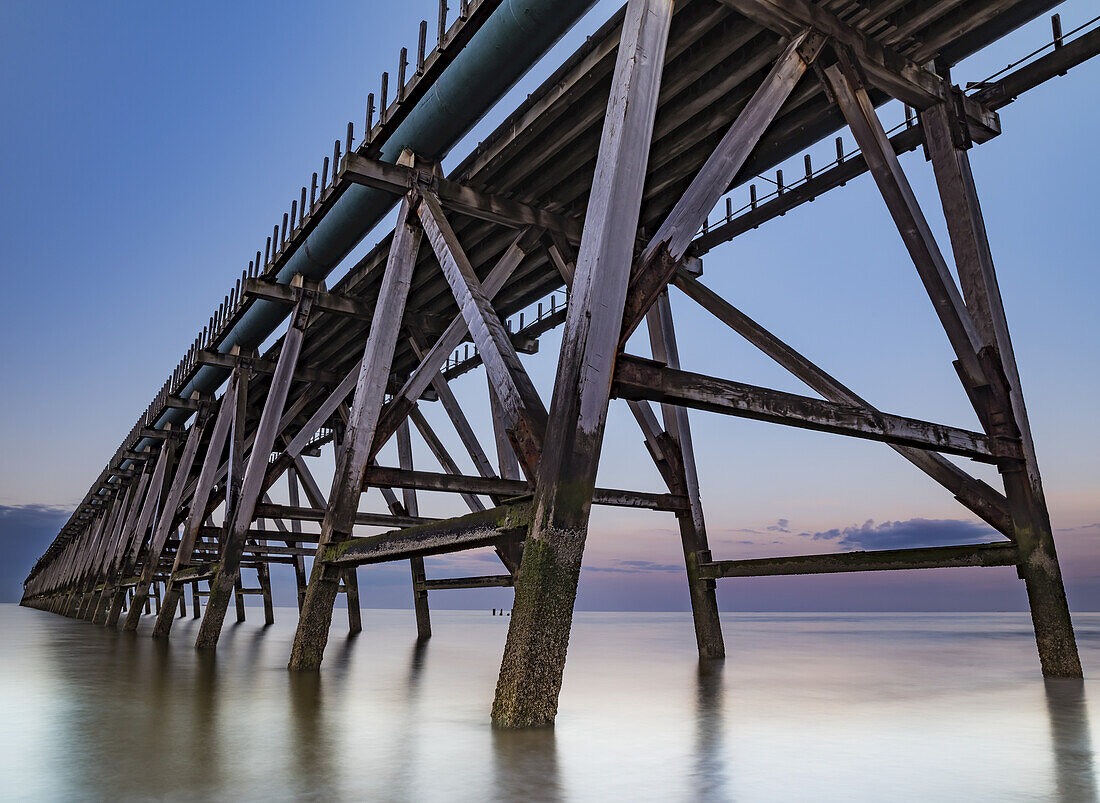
{"x":806,"y":706}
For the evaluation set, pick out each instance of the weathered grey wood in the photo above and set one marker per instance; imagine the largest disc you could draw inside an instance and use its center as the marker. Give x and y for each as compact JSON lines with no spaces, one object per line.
{"x":492,"y":486}
{"x":228,"y":572}
{"x":524,"y":412}
{"x":136,"y":534}
{"x":637,"y":378}
{"x":911,"y":223}
{"x":166,"y":521}
{"x":199,"y":500}
{"x":507,"y":461}
{"x":1038,"y":558}
{"x":546,"y":586}
{"x":322,"y":301}
{"x":939,"y":557}
{"x":399,"y":179}
{"x":486,"y":581}
{"x":693,"y":529}
{"x":982,"y":499}
{"x":668,"y":246}
{"x":446,"y":462}
{"x":416,"y":563}
{"x":316,"y":616}
{"x":296,"y":529}
{"x":276,"y":512}
{"x":885,"y":67}
{"x":131,"y":500}
{"x":483,"y":528}
{"x":432,"y":361}
{"x":454,"y":413}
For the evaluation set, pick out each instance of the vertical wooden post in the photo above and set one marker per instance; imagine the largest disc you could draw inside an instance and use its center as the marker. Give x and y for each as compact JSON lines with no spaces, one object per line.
{"x":416,"y":565}
{"x":347,"y":484}
{"x":1039,"y":568}
{"x":546,"y":585}
{"x":238,"y":596}
{"x":227,"y":574}
{"x":195,"y":608}
{"x":351,"y":591}
{"x":167,"y":518}
{"x":131,"y":545}
{"x":693,"y":532}
{"x":296,"y":527}
{"x":199,"y":501}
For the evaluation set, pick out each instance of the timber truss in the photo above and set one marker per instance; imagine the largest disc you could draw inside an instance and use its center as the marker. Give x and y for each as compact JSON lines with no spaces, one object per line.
{"x":469,"y":250}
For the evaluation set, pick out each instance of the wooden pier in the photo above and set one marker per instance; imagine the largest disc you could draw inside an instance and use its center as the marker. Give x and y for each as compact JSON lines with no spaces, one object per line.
{"x":584,"y":210}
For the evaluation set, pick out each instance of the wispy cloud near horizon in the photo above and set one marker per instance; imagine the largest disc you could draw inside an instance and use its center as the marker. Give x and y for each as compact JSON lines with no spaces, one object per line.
{"x":914,"y":532}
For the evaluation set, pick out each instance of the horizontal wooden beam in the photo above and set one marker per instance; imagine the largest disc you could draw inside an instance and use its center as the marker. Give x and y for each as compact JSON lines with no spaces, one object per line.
{"x":449,"y":583}
{"x":266,"y":511}
{"x":637,"y":378}
{"x":290,"y":295}
{"x":385,"y":477}
{"x":301,"y":372}
{"x":493,"y":527}
{"x":399,"y":179}
{"x":939,"y":557}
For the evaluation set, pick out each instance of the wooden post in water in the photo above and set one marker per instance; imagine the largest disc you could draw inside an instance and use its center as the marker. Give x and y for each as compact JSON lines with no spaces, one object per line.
{"x":546,"y":586}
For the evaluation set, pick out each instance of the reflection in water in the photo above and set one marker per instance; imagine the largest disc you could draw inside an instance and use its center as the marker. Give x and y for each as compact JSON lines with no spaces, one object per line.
{"x":1074,"y":770}
{"x":843,"y":706}
{"x":710,"y":761}
{"x":310,"y":747}
{"x":525,"y":765}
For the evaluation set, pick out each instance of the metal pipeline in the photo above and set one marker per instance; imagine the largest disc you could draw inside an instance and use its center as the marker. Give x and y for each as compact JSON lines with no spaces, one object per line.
{"x":514,"y":37}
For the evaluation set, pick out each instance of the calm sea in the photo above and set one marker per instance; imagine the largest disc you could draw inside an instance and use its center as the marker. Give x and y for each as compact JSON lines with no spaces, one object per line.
{"x":807,"y":706}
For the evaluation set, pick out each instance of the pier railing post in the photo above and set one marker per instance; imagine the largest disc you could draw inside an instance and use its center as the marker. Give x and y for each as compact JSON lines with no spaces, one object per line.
{"x":546,"y":586}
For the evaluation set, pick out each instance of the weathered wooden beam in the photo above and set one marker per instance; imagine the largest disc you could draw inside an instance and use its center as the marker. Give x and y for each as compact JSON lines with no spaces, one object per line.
{"x":910,"y":221}
{"x":450,"y":583}
{"x":457,"y":197}
{"x":421,"y":378}
{"x":982,"y":499}
{"x":411,"y":505}
{"x":291,"y":295}
{"x":693,"y":529}
{"x":483,"y":528}
{"x":886,"y":68}
{"x":361,"y":432}
{"x":546,"y":585}
{"x":167,"y":519}
{"x":493,"y":486}
{"x":638,"y":378}
{"x":523,"y":409}
{"x":301,"y":374}
{"x":252,"y":485}
{"x":940,"y":557}
{"x":136,"y":536}
{"x":1006,"y":410}
{"x":667,"y":248}
{"x":277,"y":512}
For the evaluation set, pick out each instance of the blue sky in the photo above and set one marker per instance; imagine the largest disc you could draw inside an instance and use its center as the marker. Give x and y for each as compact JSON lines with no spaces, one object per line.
{"x":148,"y":148}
